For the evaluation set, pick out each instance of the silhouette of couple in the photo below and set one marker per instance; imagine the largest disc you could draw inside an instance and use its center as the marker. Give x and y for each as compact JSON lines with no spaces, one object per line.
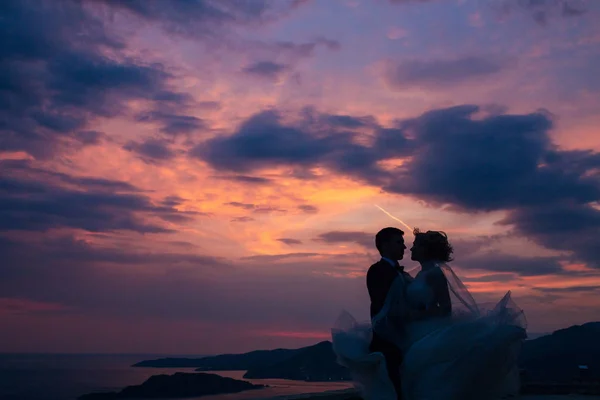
{"x":428,"y":339}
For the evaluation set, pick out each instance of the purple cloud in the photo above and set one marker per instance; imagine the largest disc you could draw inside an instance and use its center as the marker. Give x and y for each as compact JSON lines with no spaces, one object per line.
{"x":253,"y":180}
{"x":542,"y":11}
{"x":265,"y":69}
{"x":435,"y":73}
{"x":56,"y":78}
{"x":289,"y":241}
{"x":173,"y":124}
{"x":264,"y":140}
{"x":361,"y":238}
{"x":202,"y":18}
{"x":242,"y":219}
{"x":151,"y":150}
{"x":29,"y":202}
{"x":309,"y":209}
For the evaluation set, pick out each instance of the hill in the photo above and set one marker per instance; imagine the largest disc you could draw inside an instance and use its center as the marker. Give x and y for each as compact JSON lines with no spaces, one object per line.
{"x":556,"y":357}
{"x":550,"y":358}
{"x":177,"y":385}
{"x":313,"y":363}
{"x":228,"y":362}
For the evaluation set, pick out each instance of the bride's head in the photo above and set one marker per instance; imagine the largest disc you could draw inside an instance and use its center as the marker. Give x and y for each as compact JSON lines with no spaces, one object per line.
{"x":431,"y":246}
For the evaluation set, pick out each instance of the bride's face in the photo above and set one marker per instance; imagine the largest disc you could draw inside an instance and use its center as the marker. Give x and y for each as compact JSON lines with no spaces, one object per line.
{"x":417,"y":251}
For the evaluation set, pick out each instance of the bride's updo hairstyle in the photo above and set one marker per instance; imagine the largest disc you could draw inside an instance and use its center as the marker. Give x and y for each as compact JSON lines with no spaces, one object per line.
{"x":435,"y":245}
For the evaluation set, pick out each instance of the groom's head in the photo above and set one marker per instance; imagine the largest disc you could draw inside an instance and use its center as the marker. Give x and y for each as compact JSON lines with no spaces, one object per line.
{"x":390,"y":243}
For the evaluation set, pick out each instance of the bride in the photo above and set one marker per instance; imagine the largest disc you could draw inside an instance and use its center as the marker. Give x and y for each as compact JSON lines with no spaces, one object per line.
{"x":453,"y":348}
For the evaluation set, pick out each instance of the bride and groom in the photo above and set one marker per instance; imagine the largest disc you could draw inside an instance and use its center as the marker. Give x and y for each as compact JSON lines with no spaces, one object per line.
{"x":428,"y":338}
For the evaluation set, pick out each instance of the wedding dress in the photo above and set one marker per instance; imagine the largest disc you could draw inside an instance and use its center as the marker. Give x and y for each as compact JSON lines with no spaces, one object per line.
{"x":470,"y":354}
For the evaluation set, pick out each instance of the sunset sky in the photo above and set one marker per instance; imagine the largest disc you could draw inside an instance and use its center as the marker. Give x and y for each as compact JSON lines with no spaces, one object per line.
{"x":200,"y":177}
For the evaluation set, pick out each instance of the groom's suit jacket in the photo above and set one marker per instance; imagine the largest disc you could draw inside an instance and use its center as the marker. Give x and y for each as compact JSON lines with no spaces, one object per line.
{"x":380,"y":277}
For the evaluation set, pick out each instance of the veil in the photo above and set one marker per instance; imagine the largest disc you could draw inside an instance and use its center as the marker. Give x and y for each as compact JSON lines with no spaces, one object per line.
{"x":504,"y":312}
{"x":350,"y":341}
{"x":463,"y":303}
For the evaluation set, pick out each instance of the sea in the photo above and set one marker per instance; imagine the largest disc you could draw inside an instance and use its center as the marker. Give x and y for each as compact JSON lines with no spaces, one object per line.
{"x":67,"y":376}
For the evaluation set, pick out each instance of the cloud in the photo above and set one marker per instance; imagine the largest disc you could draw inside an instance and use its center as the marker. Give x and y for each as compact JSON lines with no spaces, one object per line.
{"x":435,"y":73}
{"x":257,"y":209}
{"x":510,"y":264}
{"x":542,"y":11}
{"x":56,"y":77}
{"x":265,"y":140}
{"x":572,"y":9}
{"x":573,"y":228}
{"x":265,"y":69}
{"x":24,"y":306}
{"x":334,"y":237}
{"x":151,"y":150}
{"x":173,"y":124}
{"x":293,"y":51}
{"x":254,"y":180}
{"x":307,"y":208}
{"x":22,"y":168}
{"x":242,"y":219}
{"x":90,"y":137}
{"x":502,"y":277}
{"x":245,"y":206}
{"x":505,"y":162}
{"x":499,"y":162}
{"x":28,"y":202}
{"x":570,"y":289}
{"x":280,"y":257}
{"x":268,"y":210}
{"x":461,"y":157}
{"x":410,"y":1}
{"x":289,"y":241}
{"x":202,"y":18}
{"x":347,"y":121}
{"x":262,"y":140}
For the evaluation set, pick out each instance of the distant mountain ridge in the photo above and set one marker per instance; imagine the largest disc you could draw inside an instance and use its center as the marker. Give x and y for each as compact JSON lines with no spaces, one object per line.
{"x":315,"y":363}
{"x":178,"y":385}
{"x":550,"y":358}
{"x":229,"y":362}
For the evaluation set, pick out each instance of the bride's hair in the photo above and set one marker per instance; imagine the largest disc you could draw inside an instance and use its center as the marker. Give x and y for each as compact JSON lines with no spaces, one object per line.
{"x":436,"y":244}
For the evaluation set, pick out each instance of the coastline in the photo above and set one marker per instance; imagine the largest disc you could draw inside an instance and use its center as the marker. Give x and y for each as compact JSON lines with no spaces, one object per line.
{"x":281,"y":389}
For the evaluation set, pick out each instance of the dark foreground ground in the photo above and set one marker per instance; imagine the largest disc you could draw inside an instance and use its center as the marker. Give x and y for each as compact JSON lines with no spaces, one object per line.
{"x":350,"y":394}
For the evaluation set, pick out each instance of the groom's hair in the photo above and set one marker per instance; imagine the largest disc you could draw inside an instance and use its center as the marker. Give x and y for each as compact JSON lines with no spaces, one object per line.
{"x":385,"y":235}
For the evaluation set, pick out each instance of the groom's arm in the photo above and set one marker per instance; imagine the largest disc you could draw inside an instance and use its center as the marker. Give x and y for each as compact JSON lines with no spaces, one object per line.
{"x":378,"y":286}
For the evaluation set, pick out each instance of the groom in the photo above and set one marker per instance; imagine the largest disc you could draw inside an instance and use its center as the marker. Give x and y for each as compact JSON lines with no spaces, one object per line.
{"x":390,"y":244}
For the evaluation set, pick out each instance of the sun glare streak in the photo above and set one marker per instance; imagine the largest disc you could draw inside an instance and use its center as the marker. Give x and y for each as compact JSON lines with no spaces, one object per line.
{"x":394,"y":218}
